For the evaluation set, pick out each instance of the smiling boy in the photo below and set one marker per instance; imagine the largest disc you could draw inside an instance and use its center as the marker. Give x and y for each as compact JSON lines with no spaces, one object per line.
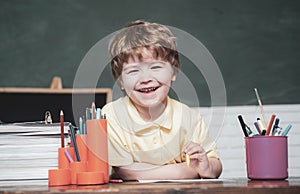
{"x":149,"y":133}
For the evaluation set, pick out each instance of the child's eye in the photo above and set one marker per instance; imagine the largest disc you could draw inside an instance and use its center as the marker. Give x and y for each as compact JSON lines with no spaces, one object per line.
{"x":132,"y":71}
{"x":156,"y":67}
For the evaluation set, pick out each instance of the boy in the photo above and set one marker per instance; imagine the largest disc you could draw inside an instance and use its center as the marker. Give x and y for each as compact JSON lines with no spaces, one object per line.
{"x":152,"y":136}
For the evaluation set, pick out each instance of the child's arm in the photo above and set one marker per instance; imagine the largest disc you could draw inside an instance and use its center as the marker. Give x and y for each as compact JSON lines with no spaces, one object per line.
{"x":140,"y":171}
{"x":200,"y":166}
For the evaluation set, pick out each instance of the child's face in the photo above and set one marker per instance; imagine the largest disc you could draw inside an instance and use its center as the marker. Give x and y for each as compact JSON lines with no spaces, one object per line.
{"x":147,"y":82}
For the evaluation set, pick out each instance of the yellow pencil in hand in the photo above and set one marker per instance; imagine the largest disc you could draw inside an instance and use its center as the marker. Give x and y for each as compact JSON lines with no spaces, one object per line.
{"x":187,"y":159}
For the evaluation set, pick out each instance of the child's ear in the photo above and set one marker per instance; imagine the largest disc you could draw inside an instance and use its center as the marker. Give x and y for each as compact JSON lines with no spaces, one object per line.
{"x":173,"y":77}
{"x":120,"y":82}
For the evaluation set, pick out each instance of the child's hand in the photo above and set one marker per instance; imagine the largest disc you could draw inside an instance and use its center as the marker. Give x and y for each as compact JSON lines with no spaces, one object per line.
{"x":198,"y":158}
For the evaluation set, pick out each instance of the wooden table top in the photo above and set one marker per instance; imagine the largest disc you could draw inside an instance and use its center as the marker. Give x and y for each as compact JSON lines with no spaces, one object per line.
{"x":242,"y":185}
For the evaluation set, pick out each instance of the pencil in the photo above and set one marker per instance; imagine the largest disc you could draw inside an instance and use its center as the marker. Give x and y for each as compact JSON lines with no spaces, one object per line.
{"x":62,"y":133}
{"x":187,"y":159}
{"x":74,"y":142}
{"x":261,"y":107}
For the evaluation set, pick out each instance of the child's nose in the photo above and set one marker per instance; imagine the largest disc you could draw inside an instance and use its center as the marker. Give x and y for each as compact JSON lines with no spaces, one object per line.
{"x":146,"y":77}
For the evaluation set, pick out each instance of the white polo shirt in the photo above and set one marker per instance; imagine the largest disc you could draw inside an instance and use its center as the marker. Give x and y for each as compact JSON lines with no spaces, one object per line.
{"x":131,"y":139}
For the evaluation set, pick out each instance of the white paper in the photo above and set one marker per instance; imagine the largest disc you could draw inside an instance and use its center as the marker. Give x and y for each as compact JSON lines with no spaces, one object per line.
{"x":180,"y":180}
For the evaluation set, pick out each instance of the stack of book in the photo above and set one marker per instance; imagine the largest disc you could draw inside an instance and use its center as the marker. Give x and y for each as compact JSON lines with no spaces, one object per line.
{"x":28,"y":150}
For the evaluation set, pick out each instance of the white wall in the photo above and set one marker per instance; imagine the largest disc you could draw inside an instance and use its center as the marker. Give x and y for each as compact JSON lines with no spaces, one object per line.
{"x":231,"y":138}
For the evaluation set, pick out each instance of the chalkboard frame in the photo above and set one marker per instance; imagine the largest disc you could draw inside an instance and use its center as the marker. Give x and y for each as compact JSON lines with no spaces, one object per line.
{"x":30,"y":104}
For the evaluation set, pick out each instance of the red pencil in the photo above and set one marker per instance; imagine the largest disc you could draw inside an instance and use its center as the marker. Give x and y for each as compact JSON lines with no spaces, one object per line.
{"x":62,"y":133}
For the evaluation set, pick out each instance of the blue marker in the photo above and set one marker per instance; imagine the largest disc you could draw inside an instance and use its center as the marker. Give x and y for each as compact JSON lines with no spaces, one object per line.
{"x":287,"y":129}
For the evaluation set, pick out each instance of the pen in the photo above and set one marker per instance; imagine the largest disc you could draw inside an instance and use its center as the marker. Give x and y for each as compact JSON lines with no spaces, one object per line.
{"x":243,"y":125}
{"x":278,"y":131}
{"x":275,"y":125}
{"x":287,"y":129}
{"x":270,"y":124}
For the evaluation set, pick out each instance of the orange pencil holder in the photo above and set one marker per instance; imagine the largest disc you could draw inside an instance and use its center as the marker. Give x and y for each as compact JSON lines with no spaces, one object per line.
{"x":63,"y":161}
{"x":97,"y":153}
{"x":90,"y":178}
{"x":75,"y":168}
{"x":58,"y":177}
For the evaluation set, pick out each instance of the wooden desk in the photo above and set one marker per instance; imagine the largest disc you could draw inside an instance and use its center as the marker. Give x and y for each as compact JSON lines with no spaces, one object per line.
{"x":291,"y":185}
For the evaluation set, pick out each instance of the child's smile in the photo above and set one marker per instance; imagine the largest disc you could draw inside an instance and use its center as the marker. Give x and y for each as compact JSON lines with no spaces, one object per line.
{"x":148,"y":90}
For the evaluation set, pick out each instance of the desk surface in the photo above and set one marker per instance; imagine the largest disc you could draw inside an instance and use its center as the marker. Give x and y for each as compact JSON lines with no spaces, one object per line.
{"x":291,"y":185}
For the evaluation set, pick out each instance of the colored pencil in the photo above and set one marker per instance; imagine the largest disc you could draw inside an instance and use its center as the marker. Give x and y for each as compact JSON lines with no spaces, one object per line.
{"x":261,"y":107}
{"x":72,"y":131}
{"x":62,"y":131}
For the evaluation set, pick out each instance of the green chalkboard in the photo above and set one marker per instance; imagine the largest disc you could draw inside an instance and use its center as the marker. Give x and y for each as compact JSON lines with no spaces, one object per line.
{"x":255,"y":43}
{"x":31,"y":104}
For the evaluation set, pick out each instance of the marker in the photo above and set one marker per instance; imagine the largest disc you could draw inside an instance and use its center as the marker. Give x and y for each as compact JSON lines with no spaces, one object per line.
{"x":270,"y":124}
{"x":62,"y":133}
{"x":257,"y":127}
{"x":287,"y":129}
{"x":275,"y":125}
{"x":243,"y":125}
{"x":187,"y":159}
{"x":261,"y":107}
{"x":261,"y":126}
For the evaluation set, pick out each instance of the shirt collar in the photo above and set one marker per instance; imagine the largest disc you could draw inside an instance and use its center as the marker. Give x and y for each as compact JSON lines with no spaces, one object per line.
{"x":140,"y":127}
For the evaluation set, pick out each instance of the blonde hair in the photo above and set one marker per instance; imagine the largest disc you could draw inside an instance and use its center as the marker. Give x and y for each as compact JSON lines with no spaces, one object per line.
{"x":138,"y":35}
